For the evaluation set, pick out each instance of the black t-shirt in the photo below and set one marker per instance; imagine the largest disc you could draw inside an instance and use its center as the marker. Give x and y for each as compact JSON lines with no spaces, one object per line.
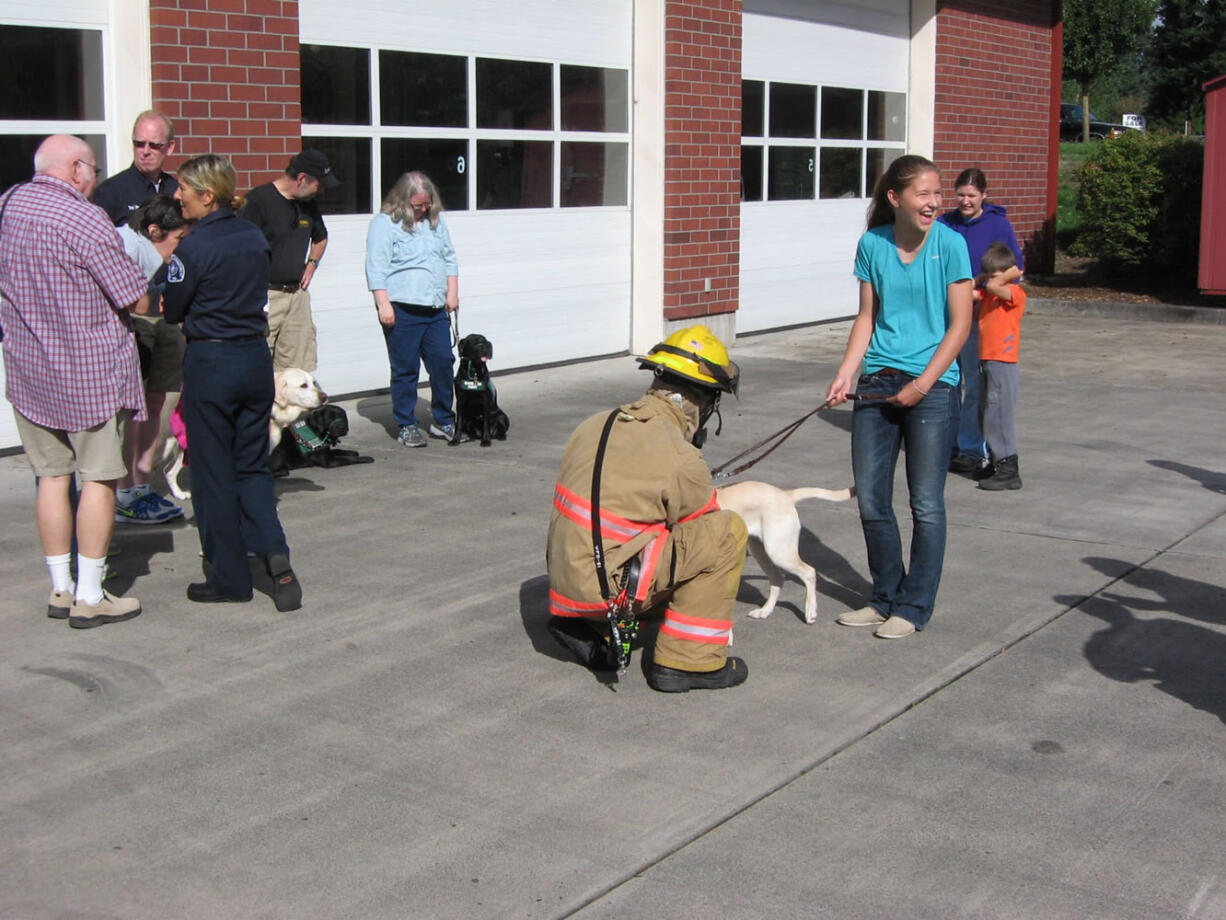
{"x":289,"y":225}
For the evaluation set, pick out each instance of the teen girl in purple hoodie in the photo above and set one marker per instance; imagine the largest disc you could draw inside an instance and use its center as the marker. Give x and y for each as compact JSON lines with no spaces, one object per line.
{"x":981,"y":224}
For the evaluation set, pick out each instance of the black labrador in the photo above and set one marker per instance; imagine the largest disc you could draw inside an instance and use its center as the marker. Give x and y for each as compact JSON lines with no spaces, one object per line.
{"x":476,"y":400}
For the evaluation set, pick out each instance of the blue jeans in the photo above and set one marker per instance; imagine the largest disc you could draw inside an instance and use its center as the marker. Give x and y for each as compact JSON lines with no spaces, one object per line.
{"x":415,"y":339}
{"x":878,"y":430}
{"x":965,"y":409}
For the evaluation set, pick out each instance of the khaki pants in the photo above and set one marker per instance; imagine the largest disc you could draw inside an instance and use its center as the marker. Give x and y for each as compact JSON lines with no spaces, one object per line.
{"x":291,"y":331}
{"x":699,"y":574}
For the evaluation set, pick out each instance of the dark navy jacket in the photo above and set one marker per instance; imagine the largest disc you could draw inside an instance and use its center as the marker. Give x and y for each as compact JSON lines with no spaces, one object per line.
{"x":124,"y":192}
{"x":217,"y":280}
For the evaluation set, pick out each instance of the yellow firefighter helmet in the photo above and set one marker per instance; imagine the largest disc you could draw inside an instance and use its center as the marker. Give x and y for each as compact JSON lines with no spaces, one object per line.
{"x":694,"y":354}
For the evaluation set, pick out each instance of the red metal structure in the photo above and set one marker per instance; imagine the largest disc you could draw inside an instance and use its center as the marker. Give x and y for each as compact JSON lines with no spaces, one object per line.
{"x":1211,"y":278}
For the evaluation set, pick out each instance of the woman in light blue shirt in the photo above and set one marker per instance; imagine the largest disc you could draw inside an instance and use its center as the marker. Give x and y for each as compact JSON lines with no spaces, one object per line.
{"x":411,"y":270}
{"x":915,"y":313}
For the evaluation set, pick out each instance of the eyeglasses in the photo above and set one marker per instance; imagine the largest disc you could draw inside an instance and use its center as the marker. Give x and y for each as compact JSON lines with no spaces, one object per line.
{"x":152,"y":145}
{"x":97,"y":171}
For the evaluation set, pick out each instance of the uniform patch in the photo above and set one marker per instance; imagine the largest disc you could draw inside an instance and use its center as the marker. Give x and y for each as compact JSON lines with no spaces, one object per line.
{"x":174,"y":271}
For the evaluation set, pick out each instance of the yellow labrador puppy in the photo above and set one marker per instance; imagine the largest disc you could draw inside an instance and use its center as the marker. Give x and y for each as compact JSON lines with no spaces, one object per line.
{"x":294,"y":396}
{"x":774,"y":534}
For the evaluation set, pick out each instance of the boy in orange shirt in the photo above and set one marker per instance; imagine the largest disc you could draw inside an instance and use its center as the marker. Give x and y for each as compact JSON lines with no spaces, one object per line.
{"x":1002,"y":304}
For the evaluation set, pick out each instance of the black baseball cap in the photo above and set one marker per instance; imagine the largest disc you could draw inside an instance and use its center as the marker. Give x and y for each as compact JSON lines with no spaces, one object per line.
{"x":315,"y":165}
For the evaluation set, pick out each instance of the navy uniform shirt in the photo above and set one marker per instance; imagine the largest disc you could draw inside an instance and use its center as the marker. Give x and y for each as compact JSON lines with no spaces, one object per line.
{"x":124,"y":192}
{"x":217,"y":280}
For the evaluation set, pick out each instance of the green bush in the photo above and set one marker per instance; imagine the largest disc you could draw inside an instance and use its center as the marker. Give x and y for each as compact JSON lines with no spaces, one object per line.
{"x":1139,"y":201}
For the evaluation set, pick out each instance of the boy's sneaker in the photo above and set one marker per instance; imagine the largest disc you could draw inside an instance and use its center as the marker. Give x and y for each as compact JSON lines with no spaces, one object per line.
{"x":411,"y":436}
{"x":447,"y":432}
{"x":150,"y":508}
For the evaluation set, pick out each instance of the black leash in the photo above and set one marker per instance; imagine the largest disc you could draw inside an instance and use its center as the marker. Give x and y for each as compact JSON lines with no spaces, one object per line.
{"x":718,"y":474}
{"x":623,"y":624}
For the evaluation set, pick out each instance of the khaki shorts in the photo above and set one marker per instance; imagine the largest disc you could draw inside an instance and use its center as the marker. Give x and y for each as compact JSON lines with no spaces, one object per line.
{"x":95,"y":454}
{"x":164,"y":342}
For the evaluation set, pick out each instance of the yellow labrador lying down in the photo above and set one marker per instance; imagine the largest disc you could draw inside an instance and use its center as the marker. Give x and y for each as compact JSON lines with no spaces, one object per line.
{"x":774,"y":534}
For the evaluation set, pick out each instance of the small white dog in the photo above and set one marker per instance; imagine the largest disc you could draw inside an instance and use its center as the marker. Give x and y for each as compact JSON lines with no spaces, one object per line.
{"x":774,"y":534}
{"x":295,"y":393}
{"x":294,"y":396}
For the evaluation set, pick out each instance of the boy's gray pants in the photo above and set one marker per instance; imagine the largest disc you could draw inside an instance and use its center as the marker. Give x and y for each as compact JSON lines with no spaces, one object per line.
{"x":998,"y":407}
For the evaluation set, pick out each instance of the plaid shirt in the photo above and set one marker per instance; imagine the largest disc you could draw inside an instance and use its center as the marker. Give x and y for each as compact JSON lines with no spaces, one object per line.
{"x":65,"y":285}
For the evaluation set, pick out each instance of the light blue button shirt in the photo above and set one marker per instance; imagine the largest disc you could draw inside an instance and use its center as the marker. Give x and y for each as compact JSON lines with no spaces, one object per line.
{"x":413,"y":267}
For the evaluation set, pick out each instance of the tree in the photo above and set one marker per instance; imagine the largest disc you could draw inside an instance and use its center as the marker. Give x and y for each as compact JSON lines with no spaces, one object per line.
{"x":1186,"y":52}
{"x":1099,"y":37}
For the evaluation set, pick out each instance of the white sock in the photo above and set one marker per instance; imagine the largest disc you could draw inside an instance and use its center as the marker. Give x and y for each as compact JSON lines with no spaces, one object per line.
{"x":61,"y":572}
{"x":89,"y":579}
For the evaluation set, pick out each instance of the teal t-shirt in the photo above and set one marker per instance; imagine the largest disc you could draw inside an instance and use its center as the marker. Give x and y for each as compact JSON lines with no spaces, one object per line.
{"x":914,"y":313}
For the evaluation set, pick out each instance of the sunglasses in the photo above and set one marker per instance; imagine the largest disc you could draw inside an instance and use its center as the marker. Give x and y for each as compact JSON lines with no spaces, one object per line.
{"x":97,"y":171}
{"x":152,"y":145}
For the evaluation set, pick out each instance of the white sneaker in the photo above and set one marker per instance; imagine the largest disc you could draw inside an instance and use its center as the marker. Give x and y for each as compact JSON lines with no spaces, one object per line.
{"x":865,"y":616}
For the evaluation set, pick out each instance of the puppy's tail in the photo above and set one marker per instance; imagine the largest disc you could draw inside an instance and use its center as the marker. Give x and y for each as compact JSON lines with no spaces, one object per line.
{"x":829,"y":495}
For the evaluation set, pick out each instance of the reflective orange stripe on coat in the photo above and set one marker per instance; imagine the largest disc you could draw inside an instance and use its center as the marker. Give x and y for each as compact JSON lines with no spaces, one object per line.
{"x":578,"y":509}
{"x":683,"y":626}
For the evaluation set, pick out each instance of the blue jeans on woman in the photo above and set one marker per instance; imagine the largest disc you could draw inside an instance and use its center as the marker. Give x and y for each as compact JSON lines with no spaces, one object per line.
{"x":419,"y":337}
{"x":878,"y":430}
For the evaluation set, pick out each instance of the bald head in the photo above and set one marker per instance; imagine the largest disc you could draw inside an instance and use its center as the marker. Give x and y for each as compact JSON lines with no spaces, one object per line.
{"x":69,"y":158}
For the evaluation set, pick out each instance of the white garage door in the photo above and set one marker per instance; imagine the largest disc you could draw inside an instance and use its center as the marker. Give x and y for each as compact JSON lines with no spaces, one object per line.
{"x":521,"y":114}
{"x":824,"y":111}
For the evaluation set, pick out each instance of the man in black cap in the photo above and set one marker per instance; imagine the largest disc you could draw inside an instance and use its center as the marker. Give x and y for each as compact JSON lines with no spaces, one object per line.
{"x":285,"y":210}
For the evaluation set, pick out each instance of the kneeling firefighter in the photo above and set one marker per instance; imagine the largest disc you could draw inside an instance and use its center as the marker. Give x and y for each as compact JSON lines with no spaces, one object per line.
{"x":635,"y":523}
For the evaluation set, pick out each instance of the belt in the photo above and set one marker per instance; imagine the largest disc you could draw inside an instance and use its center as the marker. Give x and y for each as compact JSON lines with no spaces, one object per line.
{"x":235,"y":340}
{"x":292,"y":288}
{"x":890,"y":372}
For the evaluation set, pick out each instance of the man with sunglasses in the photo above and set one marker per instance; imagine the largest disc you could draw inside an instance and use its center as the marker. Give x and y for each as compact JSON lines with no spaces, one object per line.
{"x":153,"y":141}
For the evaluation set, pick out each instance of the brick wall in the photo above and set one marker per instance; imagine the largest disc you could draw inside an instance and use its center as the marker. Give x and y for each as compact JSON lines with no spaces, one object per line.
{"x":997,"y":96}
{"x":226,"y":71}
{"x":702,"y":192}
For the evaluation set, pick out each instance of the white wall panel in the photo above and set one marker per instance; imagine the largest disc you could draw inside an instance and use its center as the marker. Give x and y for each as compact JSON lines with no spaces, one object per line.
{"x":796,"y":256}
{"x":593,"y":32}
{"x":58,"y":13}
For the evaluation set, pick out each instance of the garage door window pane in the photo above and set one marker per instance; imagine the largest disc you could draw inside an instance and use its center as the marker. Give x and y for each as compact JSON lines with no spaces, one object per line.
{"x":879,"y":160}
{"x":514,"y":174}
{"x":753,"y":97}
{"x":593,"y":174}
{"x":349,"y":158}
{"x":429,"y":90}
{"x":841,"y":173}
{"x":751,"y":174}
{"x":594,"y":99}
{"x":444,"y":160}
{"x":791,"y":173}
{"x":50,"y":74}
{"x":335,"y":85}
{"x":17,"y":156}
{"x":842,"y":113}
{"x":887,"y":116}
{"x":514,"y":94}
{"x":793,"y":110}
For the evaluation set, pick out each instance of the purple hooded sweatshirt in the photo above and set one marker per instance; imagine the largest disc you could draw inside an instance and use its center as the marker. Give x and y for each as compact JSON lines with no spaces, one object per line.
{"x":983,"y":231}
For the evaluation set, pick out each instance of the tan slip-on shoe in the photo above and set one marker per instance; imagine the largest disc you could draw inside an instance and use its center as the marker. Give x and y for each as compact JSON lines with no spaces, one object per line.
{"x":895,"y":628}
{"x":59,"y":605}
{"x":865,"y":616}
{"x":108,"y":610}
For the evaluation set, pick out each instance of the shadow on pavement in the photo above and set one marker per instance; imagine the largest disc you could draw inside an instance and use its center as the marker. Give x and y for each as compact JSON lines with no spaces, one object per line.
{"x":1214,"y":482}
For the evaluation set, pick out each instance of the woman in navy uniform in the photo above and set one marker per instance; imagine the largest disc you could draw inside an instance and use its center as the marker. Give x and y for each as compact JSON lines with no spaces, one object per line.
{"x":217,"y":286}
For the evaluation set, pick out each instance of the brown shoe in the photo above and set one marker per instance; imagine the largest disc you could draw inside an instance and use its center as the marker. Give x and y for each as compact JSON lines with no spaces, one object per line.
{"x":865,"y":616}
{"x":59,"y":605}
{"x":895,"y":628}
{"x":108,"y":610}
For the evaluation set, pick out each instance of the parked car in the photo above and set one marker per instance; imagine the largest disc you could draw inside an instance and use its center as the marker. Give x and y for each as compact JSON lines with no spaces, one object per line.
{"x":1070,"y":125}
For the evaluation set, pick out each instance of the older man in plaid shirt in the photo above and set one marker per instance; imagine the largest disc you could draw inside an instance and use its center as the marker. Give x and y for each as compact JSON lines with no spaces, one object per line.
{"x":66,"y":286}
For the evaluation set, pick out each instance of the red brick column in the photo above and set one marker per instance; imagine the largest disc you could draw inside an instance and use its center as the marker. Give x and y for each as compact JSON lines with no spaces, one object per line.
{"x":997,"y":94}
{"x":226,"y":71}
{"x":702,"y":136}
